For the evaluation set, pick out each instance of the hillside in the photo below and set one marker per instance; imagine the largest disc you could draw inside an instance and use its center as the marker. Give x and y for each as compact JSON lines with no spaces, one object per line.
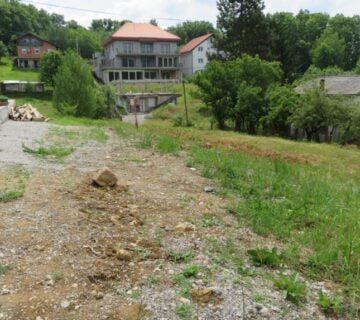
{"x":264,"y":193}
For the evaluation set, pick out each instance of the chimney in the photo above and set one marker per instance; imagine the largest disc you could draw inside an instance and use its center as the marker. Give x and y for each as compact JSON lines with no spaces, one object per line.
{"x":322,"y":84}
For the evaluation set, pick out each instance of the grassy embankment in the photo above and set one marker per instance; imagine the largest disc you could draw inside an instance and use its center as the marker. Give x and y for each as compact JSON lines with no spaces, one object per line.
{"x":306,"y":194}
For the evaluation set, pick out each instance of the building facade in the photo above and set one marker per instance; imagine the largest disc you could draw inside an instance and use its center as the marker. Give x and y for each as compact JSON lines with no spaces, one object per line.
{"x":139,"y":52}
{"x":30,"y":49}
{"x":194,"y":55}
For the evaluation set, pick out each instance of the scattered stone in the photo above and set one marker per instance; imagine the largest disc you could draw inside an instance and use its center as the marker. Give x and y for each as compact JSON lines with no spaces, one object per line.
{"x":104,"y":178}
{"x":184,"y":227}
{"x":206,"y":295}
{"x":5,"y":291}
{"x":38,"y":318}
{"x":209,"y":189}
{"x":123,"y":254}
{"x":184,"y":300}
{"x":65,"y":304}
{"x":265,"y":312}
{"x":99,"y":295}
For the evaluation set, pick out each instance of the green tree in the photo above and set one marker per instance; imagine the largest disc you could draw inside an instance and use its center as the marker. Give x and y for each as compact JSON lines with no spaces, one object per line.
{"x":49,"y":66}
{"x":313,"y":114}
{"x":228,"y":89}
{"x":350,"y":127}
{"x":75,"y":91}
{"x":329,"y":50}
{"x":70,"y":37}
{"x":348,"y":29}
{"x":244,"y":27}
{"x":189,"y":30}
{"x":249,"y":108}
{"x":3,"y":50}
{"x":214,"y":86}
{"x":257,"y":73}
{"x":282,"y":102}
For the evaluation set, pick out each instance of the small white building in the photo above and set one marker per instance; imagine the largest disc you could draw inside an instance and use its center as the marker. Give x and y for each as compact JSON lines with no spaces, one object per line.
{"x":194,"y":55}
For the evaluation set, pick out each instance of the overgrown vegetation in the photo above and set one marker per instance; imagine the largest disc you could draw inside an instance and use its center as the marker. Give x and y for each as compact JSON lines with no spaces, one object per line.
{"x":295,"y":204}
{"x":330,"y":304}
{"x":12,"y":183}
{"x":45,"y":151}
{"x":294,"y":290}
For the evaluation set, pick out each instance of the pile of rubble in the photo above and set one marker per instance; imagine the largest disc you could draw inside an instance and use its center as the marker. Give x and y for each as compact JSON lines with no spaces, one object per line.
{"x":26,"y":112}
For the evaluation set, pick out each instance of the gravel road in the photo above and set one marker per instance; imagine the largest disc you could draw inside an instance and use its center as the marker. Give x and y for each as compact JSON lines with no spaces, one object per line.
{"x":15,"y":133}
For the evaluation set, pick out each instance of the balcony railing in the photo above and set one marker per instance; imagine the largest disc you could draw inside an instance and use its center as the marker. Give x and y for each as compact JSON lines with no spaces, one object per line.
{"x":118,"y":65}
{"x":143,"y":53}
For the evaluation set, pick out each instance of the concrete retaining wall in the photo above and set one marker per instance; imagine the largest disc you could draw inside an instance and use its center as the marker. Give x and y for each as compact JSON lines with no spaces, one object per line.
{"x":4,"y":114}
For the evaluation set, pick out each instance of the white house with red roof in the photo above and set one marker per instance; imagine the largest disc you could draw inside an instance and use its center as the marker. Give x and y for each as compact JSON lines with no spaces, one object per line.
{"x":139,"y":52}
{"x":194,"y":55}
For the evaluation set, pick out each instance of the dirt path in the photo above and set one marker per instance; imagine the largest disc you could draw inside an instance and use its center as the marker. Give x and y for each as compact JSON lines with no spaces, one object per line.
{"x":72,"y":251}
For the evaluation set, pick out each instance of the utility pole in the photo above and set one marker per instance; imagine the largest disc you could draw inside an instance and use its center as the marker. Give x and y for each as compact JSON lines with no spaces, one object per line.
{"x":77,"y":45}
{"x":186,"y":110}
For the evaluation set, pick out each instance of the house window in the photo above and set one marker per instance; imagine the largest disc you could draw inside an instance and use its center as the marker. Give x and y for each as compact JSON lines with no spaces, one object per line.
{"x":125,"y":75}
{"x":128,"y":47}
{"x":147,"y":48}
{"x":150,"y":75}
{"x":111,"y":76}
{"x":165,"y":62}
{"x":170,"y":62}
{"x":201,"y":60}
{"x":37,"y":51}
{"x":201,"y":49}
{"x":23,"y":50}
{"x":128,"y":62}
{"x":165,"y":48}
{"x":132,"y":75}
{"x":160,"y":62}
{"x":117,"y":76}
{"x":139,"y":75}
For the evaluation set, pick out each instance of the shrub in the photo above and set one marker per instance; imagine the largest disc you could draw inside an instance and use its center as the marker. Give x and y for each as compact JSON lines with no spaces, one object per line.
{"x":329,"y":304}
{"x":74,"y":86}
{"x":265,"y":257}
{"x":293,"y":289}
{"x":191,"y":271}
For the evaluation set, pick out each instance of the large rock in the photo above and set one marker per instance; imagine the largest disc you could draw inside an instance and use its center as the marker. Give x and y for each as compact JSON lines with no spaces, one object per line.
{"x":104,"y":178}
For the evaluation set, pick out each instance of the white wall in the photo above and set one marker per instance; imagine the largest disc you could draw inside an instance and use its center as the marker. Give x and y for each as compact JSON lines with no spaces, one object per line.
{"x":197,"y":54}
{"x":191,"y":62}
{"x":187,"y":64}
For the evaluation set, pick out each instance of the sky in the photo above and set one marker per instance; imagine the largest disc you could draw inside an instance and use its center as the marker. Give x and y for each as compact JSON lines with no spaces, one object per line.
{"x":171,"y":12}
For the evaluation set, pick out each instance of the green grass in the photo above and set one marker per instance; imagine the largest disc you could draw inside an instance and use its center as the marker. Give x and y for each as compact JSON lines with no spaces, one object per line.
{"x":183,"y":285}
{"x":294,"y":290}
{"x":178,"y":257}
{"x":191,"y":271}
{"x":4,"y":268}
{"x":315,"y":209}
{"x":184,"y":311}
{"x":12,"y":183}
{"x":7,"y":72}
{"x":264,"y":257}
{"x":168,"y":144}
{"x":330,"y":304}
{"x":44,"y":151}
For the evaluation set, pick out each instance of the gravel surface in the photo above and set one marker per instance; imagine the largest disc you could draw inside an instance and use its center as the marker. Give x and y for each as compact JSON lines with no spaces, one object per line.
{"x":13,"y":134}
{"x":62,"y":239}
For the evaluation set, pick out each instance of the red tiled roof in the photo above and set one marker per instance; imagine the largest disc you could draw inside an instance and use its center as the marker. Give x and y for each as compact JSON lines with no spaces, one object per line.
{"x":191,"y":45}
{"x":141,"y":31}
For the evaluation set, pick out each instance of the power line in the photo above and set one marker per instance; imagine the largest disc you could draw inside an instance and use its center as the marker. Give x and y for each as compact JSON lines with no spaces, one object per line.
{"x":94,"y":11}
